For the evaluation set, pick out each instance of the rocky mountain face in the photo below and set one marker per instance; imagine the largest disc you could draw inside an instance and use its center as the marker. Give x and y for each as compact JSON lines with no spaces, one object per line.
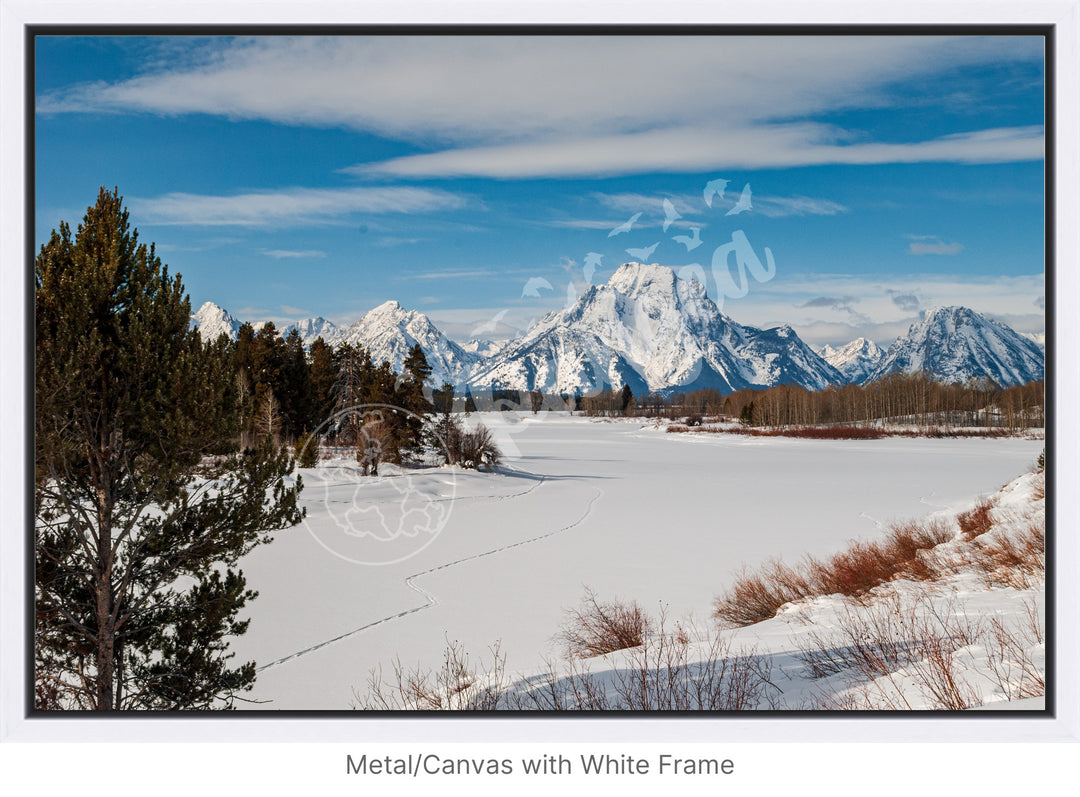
{"x":311,"y":329}
{"x":855,"y":360}
{"x":212,"y":321}
{"x":655,"y":332}
{"x":389,"y":331}
{"x":955,"y":344}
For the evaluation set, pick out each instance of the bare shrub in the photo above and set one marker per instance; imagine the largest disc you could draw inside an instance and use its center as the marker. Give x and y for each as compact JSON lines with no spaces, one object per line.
{"x":907,"y":545}
{"x":853,"y":572}
{"x":457,"y":686}
{"x":1017,"y":561}
{"x":892,"y":646}
{"x":864,"y":642}
{"x":667,"y":672}
{"x":757,"y":596}
{"x":376,"y":444}
{"x":839,"y":432}
{"x":978,"y":520}
{"x":1039,"y":487}
{"x":596,"y":628}
{"x":477,"y":449}
{"x":1011,"y":656}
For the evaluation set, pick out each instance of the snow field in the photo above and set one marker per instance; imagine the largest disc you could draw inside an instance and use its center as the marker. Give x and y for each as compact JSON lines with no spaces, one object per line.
{"x":631,"y":512}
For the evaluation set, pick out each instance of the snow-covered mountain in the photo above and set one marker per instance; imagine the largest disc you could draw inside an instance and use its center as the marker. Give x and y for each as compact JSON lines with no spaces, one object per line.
{"x":658,"y":333}
{"x":312,"y":328}
{"x":955,"y":344}
{"x":482,"y":347}
{"x":655,"y":332}
{"x":855,"y":360}
{"x":389,"y":331}
{"x":1038,"y":337}
{"x":212,"y":321}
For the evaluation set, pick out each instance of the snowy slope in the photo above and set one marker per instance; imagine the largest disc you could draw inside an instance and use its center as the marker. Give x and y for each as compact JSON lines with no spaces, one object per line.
{"x":312,"y":328}
{"x":955,"y":344}
{"x":389,"y":331}
{"x":213,"y":321}
{"x":655,"y":332}
{"x":482,"y":347}
{"x":855,"y":360}
{"x":636,"y":514}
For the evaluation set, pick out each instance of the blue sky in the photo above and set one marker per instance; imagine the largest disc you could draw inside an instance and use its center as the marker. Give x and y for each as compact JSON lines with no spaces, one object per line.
{"x":475,"y":178}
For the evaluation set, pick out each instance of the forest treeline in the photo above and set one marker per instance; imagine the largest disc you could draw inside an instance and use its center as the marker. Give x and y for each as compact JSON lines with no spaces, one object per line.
{"x":284,"y":391}
{"x":905,"y":399}
{"x":340,"y":398}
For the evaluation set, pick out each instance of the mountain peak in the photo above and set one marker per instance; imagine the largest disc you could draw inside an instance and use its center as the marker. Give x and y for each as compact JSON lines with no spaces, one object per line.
{"x":311,"y":328}
{"x":389,"y":332}
{"x":634,"y":277}
{"x":642,"y":279}
{"x":954,"y":344}
{"x":652,"y":330}
{"x":213,"y":321}
{"x":855,"y":360}
{"x":387,"y":308}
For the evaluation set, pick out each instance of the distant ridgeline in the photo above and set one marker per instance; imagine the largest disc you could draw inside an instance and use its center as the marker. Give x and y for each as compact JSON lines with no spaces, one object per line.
{"x":648,"y":329}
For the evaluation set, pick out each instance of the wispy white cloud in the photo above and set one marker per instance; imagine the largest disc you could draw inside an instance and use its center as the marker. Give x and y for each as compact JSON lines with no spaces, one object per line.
{"x":288,"y":207}
{"x":836,"y":308}
{"x":296,"y":311}
{"x":280,"y":254}
{"x":651,"y":205}
{"x":392,"y":240}
{"x":583,"y":224}
{"x":501,"y":106}
{"x":451,"y":274}
{"x":932,"y":245}
{"x":630,"y":202}
{"x":778,"y":206}
{"x":707,"y":149}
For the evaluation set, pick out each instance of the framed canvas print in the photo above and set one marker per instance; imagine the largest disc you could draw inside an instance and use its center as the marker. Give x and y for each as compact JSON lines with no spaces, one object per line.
{"x":451,"y":378}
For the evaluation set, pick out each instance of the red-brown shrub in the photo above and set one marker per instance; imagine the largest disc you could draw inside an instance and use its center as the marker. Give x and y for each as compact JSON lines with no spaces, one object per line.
{"x":852,"y":572}
{"x":597,"y":628}
{"x":977,"y":520}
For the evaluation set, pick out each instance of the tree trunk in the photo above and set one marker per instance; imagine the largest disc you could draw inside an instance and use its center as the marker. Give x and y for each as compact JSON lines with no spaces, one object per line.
{"x":106,"y":632}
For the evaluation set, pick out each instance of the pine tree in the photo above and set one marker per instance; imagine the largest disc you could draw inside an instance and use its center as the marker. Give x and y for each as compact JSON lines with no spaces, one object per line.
{"x":297,"y":396}
{"x":746,"y":415}
{"x":353,"y":366}
{"x":136,"y":585}
{"x":306,"y":450}
{"x":446,"y":430}
{"x":410,"y":397}
{"x":323,"y":376}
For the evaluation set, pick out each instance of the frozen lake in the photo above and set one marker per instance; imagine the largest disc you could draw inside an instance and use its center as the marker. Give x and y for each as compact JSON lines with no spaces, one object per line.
{"x":631,"y":512}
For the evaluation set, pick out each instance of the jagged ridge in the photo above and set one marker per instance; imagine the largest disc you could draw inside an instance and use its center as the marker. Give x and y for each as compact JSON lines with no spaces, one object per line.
{"x":955,"y":344}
